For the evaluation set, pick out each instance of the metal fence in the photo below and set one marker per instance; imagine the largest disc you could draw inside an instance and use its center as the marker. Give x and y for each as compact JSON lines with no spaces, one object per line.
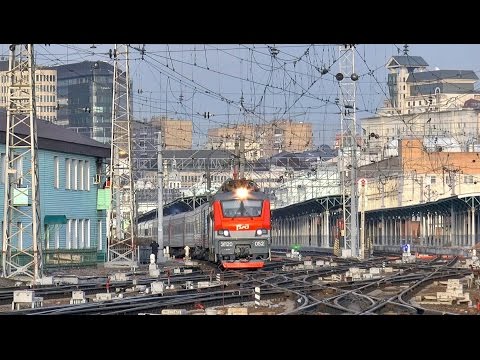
{"x":70,"y":257}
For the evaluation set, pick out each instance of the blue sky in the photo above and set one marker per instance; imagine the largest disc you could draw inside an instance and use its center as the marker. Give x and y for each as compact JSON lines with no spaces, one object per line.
{"x":270,"y":80}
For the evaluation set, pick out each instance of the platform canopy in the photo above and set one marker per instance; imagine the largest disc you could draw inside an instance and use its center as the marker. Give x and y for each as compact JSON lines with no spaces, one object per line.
{"x":54,"y":219}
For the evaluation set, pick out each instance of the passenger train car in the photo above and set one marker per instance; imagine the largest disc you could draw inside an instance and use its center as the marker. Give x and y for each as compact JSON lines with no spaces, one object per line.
{"x":232,"y":229}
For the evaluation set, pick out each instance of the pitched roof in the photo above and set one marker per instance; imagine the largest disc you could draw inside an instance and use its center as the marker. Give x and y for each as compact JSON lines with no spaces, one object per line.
{"x":197,"y":154}
{"x":408,"y":61}
{"x":324,"y":152}
{"x":57,"y":138}
{"x":441,"y":74}
{"x":83,"y":68}
{"x":4,"y":65}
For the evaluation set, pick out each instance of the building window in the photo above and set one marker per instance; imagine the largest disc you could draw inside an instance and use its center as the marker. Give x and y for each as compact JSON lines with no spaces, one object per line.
{"x":19,"y":169}
{"x":3,"y":159}
{"x":57,"y":237}
{"x":86,"y":177}
{"x":56,"y":172}
{"x":68,"y":176}
{"x":80,"y":174}
{"x":87,"y":233}
{"x":100,"y":235}
{"x":20,"y":235}
{"x":468,"y":179}
{"x":75,"y":174}
{"x":68,"y":235}
{"x":433,"y":180}
{"x":420,"y":102}
{"x":81,"y":233}
{"x":75,"y":234}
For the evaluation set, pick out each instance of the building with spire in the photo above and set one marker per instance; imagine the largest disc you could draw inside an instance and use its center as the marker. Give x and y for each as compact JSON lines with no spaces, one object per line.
{"x":441,"y":107}
{"x":413,"y":89}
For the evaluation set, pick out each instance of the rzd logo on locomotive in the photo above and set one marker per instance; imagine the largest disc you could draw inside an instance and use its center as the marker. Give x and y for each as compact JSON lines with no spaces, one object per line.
{"x":243,"y":226}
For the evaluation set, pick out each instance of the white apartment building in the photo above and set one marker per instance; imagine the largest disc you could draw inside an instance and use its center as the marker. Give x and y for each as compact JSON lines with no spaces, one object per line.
{"x":45,"y":91}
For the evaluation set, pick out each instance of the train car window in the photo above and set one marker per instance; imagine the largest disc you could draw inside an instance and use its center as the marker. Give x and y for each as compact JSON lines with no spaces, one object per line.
{"x":242,"y":208}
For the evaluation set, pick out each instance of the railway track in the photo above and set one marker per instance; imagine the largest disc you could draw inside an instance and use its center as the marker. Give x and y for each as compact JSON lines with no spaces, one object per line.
{"x":277,"y":280}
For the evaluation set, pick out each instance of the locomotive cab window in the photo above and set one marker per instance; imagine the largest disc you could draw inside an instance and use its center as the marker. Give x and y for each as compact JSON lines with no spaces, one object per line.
{"x":242,"y":208}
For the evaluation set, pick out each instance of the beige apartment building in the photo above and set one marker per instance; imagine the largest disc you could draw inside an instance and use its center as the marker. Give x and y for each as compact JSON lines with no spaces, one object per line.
{"x":418,"y":175}
{"x":264,"y":140}
{"x":225,"y":139}
{"x":45,"y":91}
{"x":176,"y":134}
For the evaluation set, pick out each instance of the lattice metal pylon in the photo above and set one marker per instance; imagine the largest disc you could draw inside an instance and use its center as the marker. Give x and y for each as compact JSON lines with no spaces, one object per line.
{"x":121,"y":239}
{"x":22,"y":247}
{"x":348,"y":147}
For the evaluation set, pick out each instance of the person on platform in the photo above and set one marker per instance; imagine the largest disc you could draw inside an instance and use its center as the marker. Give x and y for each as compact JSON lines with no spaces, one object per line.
{"x":154,"y":246}
{"x":106,"y":184}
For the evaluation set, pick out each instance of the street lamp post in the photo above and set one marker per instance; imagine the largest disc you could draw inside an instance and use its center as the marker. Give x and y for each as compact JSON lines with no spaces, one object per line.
{"x":362,"y":219}
{"x":160,"y":257}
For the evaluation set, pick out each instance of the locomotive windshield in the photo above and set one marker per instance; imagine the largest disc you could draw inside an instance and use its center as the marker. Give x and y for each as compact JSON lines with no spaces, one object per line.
{"x":242,"y":208}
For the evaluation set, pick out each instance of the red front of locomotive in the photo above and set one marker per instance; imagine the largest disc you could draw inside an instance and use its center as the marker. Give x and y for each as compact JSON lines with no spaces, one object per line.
{"x":241,"y":226}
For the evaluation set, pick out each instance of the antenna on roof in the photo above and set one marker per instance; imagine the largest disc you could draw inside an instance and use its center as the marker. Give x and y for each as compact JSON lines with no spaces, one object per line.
{"x":405,"y":49}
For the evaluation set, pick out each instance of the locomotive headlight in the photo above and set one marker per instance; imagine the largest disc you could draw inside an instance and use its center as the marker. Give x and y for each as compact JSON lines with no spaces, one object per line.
{"x":260,"y":232}
{"x":242,"y":193}
{"x":223,"y":232}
